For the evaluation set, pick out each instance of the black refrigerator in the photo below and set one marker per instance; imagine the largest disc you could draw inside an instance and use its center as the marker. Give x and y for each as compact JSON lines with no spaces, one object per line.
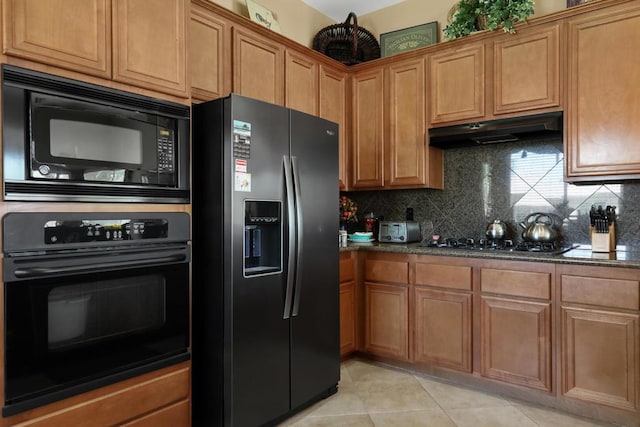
{"x":265,"y":262}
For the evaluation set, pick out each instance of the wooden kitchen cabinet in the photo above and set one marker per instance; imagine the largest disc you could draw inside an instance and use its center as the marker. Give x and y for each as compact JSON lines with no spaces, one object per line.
{"x":527,"y":70}
{"x":515,"y":324}
{"x":389,"y":147}
{"x":443,"y":315}
{"x":347,"y":304}
{"x":410,"y":161}
{"x":150,"y":44}
{"x":386,"y":293}
{"x":301,"y":82}
{"x":367,"y":129}
{"x":71,"y":34}
{"x":258,"y":66}
{"x":602,"y":127}
{"x":137,"y":42}
{"x":600,"y":349}
{"x":333,"y":107}
{"x":209,"y":53}
{"x":457,"y":84}
{"x":159,"y":398}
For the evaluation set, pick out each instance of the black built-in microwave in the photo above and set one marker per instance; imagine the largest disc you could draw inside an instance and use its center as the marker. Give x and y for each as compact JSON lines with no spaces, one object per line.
{"x":66,"y":140}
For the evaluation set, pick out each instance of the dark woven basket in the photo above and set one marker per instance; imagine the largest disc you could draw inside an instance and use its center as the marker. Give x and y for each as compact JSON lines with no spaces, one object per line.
{"x":347,"y":42}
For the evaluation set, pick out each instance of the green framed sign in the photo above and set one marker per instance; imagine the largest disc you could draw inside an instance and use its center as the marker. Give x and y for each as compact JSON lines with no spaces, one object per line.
{"x":407,"y":39}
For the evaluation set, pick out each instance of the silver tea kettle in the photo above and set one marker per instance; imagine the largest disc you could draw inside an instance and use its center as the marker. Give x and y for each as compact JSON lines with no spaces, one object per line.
{"x":496,"y":230}
{"x":539,"y":227}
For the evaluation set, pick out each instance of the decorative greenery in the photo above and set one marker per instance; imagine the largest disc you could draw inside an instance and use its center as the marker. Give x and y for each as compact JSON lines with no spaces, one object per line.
{"x":348,"y":210}
{"x":464,"y":15}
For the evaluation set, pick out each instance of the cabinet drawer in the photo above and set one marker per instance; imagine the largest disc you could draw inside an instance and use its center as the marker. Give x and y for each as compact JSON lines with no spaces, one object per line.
{"x":387,"y":271}
{"x":347,"y":271}
{"x":517,"y":283}
{"x":446,"y":276}
{"x":124,"y":401}
{"x":616,"y":293}
{"x":174,"y":415}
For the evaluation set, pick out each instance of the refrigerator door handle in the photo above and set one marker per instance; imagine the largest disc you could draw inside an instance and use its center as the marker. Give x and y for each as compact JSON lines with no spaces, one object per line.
{"x":291,"y":259}
{"x":299,"y":226}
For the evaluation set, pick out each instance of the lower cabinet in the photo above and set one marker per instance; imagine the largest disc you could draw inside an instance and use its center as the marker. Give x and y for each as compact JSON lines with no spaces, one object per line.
{"x":387,"y":320}
{"x":386,"y":305}
{"x":515,"y":324}
{"x":561,"y":333}
{"x":443,"y":315}
{"x":347,"y":304}
{"x":601,"y":336}
{"x":159,"y":399}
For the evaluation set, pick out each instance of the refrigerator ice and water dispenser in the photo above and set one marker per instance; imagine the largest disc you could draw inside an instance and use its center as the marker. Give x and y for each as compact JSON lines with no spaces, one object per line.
{"x":262,"y":237}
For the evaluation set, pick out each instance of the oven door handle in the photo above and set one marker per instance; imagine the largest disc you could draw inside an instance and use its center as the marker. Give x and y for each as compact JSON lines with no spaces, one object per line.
{"x":30,"y":272}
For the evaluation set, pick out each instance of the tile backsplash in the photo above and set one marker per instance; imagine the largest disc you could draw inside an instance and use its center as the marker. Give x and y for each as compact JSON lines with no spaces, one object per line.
{"x":508,"y":182}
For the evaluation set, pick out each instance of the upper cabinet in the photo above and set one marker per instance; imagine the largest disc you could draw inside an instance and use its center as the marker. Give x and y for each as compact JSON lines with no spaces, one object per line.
{"x":258,"y":66}
{"x":136,"y":42}
{"x":602,"y":126}
{"x":333,"y":107}
{"x":209,"y":54}
{"x":50,"y":33}
{"x":457,"y":84}
{"x":367,"y":129}
{"x":389,"y":145}
{"x":409,"y":159}
{"x":301,"y":82}
{"x":150,"y":44}
{"x":526,"y":70}
{"x":503,"y":75}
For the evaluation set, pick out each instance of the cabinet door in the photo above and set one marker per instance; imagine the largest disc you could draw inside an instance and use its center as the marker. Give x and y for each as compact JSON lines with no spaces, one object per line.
{"x":150,"y":44}
{"x":301,"y":83}
{"x":71,"y":34}
{"x":258,"y":67}
{"x":515,"y":341}
{"x":534,"y":53}
{"x":347,"y":318}
{"x":600,"y":353}
{"x":457,"y":84}
{"x":209,"y":55}
{"x":602,"y":126}
{"x":387,"y":320}
{"x":443,"y":328}
{"x":407,"y":154}
{"x":368,"y":128}
{"x":333,"y":107}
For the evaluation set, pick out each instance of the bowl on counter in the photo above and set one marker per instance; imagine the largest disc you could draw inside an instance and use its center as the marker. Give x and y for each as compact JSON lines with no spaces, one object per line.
{"x":361,"y":237}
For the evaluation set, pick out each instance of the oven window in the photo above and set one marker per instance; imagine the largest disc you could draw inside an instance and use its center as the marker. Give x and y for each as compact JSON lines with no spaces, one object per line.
{"x":69,"y":334}
{"x":86,"y":313}
{"x":95,"y":141}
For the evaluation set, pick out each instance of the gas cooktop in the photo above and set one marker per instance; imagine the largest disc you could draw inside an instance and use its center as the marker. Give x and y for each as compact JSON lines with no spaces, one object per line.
{"x":503,"y":245}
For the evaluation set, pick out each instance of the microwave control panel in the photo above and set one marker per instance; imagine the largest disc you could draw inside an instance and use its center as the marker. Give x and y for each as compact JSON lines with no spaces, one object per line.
{"x":166,"y":157}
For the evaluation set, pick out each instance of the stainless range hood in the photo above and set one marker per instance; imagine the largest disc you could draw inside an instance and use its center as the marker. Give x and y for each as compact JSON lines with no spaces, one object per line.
{"x":496,"y":131}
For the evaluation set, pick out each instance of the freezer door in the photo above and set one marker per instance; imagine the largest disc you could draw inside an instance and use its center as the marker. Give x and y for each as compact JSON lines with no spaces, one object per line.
{"x":315,"y":359}
{"x":259,"y":352}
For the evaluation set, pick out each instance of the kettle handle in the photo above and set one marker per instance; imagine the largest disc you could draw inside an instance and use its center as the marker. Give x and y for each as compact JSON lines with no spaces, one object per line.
{"x":549,"y":220}
{"x":531,"y":218}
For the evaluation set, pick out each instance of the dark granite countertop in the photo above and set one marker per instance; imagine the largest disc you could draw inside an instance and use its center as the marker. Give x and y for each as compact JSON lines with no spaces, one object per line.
{"x":573,"y":256}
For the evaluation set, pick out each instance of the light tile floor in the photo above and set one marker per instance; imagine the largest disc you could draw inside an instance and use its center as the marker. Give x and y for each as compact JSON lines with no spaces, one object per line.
{"x":371,"y":394}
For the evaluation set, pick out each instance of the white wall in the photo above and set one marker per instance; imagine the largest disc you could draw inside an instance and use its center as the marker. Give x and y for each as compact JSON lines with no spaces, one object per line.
{"x":301,"y":23}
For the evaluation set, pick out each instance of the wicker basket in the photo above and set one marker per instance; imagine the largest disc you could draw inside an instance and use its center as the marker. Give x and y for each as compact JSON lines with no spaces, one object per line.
{"x":347,"y":42}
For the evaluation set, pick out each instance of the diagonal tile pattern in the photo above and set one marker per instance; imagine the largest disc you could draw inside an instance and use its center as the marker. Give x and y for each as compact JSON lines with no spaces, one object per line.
{"x":377,"y":395}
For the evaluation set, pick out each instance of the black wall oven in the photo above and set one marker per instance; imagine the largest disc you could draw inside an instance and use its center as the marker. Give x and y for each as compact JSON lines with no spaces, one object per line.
{"x":66,"y":140}
{"x":91,"y":299}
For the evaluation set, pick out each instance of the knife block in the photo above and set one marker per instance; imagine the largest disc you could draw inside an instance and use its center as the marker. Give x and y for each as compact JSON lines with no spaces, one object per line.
{"x":603,"y":242}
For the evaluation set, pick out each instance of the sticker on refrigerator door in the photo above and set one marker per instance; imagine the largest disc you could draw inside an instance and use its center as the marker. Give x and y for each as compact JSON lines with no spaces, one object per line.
{"x":241,"y":139}
{"x":241,"y":165}
{"x":243,"y":182}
